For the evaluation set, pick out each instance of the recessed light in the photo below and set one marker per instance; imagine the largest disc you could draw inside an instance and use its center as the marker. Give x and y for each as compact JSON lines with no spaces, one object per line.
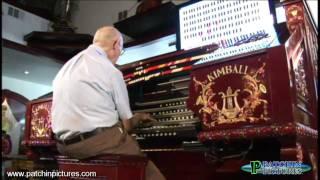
{"x":26,"y":72}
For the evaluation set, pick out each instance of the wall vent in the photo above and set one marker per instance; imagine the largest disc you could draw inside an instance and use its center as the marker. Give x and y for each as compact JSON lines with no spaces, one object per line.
{"x":15,"y":12}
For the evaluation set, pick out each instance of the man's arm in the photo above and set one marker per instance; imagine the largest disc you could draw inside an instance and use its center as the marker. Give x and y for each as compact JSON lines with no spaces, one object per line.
{"x":121,"y":99}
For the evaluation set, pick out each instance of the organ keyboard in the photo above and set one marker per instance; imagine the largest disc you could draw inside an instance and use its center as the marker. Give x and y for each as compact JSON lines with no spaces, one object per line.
{"x":175,"y":123}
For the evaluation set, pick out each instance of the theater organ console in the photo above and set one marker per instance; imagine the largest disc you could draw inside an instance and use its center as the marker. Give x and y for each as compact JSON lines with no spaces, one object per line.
{"x":202,"y":23}
{"x":240,"y":94}
{"x":160,"y":87}
{"x":253,"y":98}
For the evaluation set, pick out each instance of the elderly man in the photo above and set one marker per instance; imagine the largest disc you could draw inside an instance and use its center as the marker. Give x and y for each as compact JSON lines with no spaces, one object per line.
{"x":90,"y":112}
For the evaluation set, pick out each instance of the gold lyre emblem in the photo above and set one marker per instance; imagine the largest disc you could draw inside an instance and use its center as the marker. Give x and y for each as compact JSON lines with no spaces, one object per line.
{"x":230,"y":108}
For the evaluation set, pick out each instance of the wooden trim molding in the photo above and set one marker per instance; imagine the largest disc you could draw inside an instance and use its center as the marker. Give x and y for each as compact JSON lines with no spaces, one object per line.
{"x":17,"y":103}
{"x":6,"y":93}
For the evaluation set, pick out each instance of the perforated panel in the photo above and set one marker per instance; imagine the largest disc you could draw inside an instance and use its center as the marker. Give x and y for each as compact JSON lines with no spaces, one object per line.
{"x":237,"y":26}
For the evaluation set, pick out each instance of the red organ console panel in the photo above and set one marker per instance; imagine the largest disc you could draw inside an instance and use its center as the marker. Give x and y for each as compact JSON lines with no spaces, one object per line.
{"x":239,"y":88}
{"x":39,"y":132}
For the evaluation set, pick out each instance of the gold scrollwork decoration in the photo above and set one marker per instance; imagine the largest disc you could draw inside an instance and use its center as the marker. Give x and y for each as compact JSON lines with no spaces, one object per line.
{"x":40,"y":122}
{"x":231,"y":110}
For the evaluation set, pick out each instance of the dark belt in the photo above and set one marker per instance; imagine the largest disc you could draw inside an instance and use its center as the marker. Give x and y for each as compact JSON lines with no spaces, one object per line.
{"x":82,"y":136}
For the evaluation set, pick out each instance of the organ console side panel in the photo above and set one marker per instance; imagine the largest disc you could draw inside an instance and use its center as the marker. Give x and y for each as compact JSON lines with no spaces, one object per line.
{"x":299,"y":19}
{"x":38,"y":138}
{"x":311,"y":53}
{"x":306,"y":75}
{"x":38,"y":130}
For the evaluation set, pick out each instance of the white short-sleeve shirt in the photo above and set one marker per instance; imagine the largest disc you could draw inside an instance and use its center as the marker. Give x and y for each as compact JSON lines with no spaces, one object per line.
{"x":88,"y":92}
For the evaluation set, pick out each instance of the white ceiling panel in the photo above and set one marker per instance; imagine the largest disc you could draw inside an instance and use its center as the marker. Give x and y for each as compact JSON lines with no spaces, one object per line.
{"x":42,"y":70}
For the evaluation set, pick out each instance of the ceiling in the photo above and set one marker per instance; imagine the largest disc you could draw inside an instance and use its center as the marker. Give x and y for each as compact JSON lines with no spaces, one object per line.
{"x":42,"y":70}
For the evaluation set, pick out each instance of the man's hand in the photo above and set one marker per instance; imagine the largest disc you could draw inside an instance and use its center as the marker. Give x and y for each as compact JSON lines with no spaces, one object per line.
{"x":144,"y":117}
{"x":141,"y":119}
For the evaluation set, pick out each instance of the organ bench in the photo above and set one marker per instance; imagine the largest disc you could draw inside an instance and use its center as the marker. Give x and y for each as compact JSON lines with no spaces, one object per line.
{"x":41,"y":146}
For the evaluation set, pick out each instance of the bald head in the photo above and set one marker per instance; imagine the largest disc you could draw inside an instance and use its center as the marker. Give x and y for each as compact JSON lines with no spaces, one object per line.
{"x":110,"y":40}
{"x":106,"y":34}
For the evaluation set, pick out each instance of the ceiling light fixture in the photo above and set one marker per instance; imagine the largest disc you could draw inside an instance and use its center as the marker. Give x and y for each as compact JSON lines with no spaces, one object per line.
{"x":26,"y":72}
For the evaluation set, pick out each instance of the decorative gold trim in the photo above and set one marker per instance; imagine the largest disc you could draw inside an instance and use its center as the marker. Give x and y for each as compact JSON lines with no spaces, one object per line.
{"x":231,"y":111}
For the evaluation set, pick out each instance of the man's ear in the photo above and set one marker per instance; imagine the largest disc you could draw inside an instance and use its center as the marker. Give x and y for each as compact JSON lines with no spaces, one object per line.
{"x":114,"y":45}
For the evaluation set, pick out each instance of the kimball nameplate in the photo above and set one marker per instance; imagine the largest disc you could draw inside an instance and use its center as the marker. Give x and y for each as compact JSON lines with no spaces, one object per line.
{"x":232,"y":93}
